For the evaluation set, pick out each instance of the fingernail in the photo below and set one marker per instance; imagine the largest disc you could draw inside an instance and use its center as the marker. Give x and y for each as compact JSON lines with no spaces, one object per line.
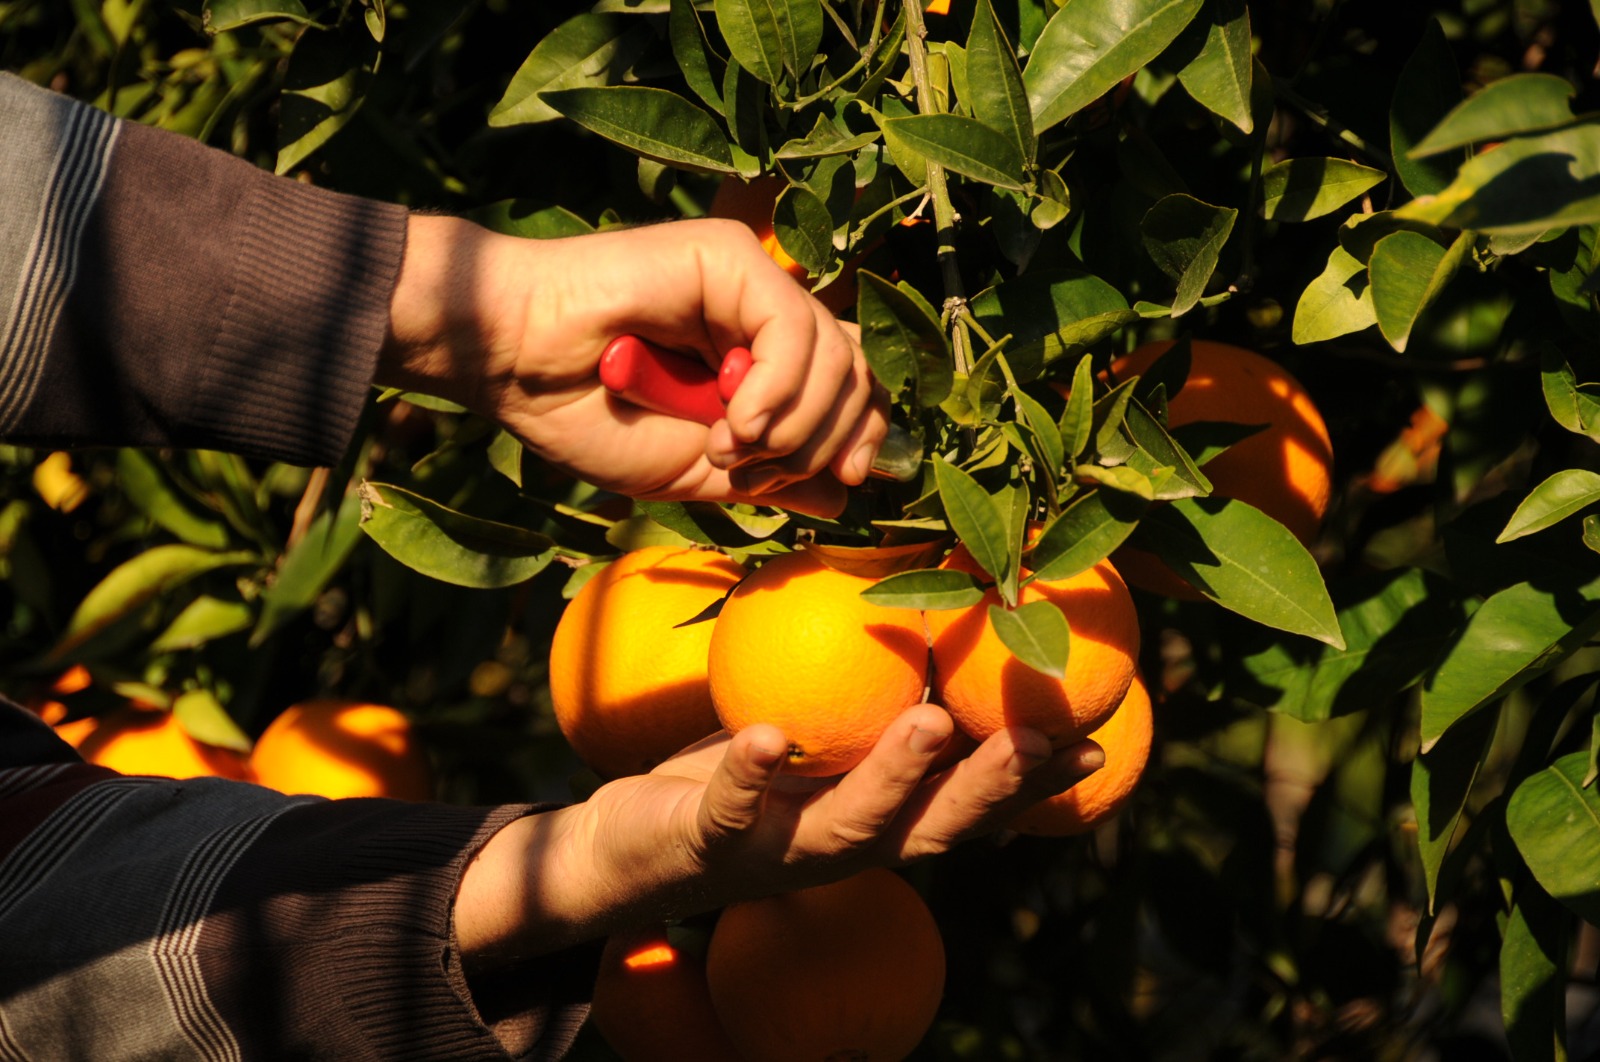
{"x":926,"y":742}
{"x":757,"y":425}
{"x":764,"y":757}
{"x":861,"y":460}
{"x":1021,"y":763}
{"x":1092,"y":759}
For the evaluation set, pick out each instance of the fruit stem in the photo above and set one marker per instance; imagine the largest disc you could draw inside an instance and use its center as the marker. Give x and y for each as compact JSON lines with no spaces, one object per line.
{"x":944,"y":212}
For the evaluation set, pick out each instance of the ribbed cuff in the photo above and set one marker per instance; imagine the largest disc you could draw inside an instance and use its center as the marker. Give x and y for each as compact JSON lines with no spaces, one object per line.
{"x":309,"y":309}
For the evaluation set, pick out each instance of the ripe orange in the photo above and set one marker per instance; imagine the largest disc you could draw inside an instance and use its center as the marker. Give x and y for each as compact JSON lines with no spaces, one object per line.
{"x":150,"y":741}
{"x":798,"y":647}
{"x":651,"y":1002}
{"x":342,"y":748}
{"x":848,"y":971}
{"x":985,"y":687}
{"x":1283,"y":470}
{"x":628,"y":683}
{"x":1126,"y":738}
{"x":752,"y":202}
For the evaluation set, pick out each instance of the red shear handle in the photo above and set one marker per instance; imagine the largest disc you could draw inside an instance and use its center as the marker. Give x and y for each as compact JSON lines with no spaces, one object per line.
{"x":658,"y":379}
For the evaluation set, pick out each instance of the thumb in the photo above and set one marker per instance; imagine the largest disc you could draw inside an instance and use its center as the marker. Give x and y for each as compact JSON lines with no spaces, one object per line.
{"x":737,"y":790}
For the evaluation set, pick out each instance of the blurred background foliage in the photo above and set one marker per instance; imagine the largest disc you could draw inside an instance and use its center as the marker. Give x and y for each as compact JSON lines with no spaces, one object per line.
{"x":1265,"y":895}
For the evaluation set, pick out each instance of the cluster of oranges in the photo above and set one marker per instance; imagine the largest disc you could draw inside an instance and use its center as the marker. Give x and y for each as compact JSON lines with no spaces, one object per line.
{"x":325,"y":747}
{"x":667,"y":645}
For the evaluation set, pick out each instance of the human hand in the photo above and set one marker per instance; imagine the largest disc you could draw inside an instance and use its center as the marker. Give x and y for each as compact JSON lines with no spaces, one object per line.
{"x":514,"y":329}
{"x":720,"y":823}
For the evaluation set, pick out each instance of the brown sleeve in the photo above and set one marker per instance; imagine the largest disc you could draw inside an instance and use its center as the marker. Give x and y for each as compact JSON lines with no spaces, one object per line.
{"x":168,"y":294}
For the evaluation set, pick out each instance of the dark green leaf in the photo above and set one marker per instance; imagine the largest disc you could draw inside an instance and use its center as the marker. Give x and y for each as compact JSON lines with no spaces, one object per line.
{"x":586,"y":50}
{"x":448,"y":545}
{"x":1245,"y":561}
{"x":1555,"y":823}
{"x":771,"y":38}
{"x":1515,"y":636}
{"x":1337,"y":303}
{"x":745,"y":105}
{"x":804,"y":228}
{"x":975,"y":517}
{"x":1050,"y":314}
{"x":1305,"y":188}
{"x":1591,"y":532}
{"x":903,"y":343}
{"x":1563,"y":494}
{"x":519,"y":217}
{"x":1037,"y":634}
{"x":960,"y":144}
{"x":1512,"y":106}
{"x":1575,"y":406}
{"x":1085,"y":533}
{"x":324,"y":85}
{"x":223,"y":16}
{"x":1527,"y":185}
{"x":1206,"y":439}
{"x":651,"y":122}
{"x":202,"y":620}
{"x":1156,"y":450}
{"x":148,"y":488}
{"x":1185,"y":237}
{"x":1428,"y":87}
{"x":1218,"y":77}
{"x":505,"y":456}
{"x":1043,"y":427}
{"x":309,"y":566}
{"x":135,"y":583}
{"x":702,"y":68}
{"x":824,"y":141}
{"x":995,"y":90}
{"x":1090,"y":45}
{"x":1407,"y":272}
{"x":926,"y":588}
{"x":1440,"y":782}
{"x":1077,"y":420}
{"x":1533,"y":976}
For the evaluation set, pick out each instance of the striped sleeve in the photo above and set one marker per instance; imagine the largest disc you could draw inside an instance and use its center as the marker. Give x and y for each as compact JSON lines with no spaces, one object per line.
{"x":156,"y":292}
{"x":219,"y":921}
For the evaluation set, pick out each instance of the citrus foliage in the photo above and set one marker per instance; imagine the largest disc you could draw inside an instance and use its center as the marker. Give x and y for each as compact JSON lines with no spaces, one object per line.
{"x":1369,"y":799}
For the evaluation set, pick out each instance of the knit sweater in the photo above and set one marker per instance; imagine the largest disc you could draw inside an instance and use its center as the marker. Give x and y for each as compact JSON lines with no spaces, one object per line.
{"x":154,"y":292}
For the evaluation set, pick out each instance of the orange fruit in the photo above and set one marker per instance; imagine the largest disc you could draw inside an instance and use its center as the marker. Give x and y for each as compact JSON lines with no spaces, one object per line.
{"x":628,"y":682}
{"x":848,"y":971}
{"x":752,"y":202}
{"x":342,"y":748}
{"x":651,"y":1002}
{"x":985,"y":688}
{"x":797,"y":646}
{"x":1126,"y":738}
{"x":150,"y":741}
{"x":1283,"y":470}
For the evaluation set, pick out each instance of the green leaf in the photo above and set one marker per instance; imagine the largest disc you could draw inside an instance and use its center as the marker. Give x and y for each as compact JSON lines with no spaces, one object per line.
{"x":1527,"y":185}
{"x":1305,"y":188}
{"x":1514,"y":636}
{"x":926,"y":588}
{"x":652,"y":122}
{"x":520,"y":217}
{"x":1533,"y":976}
{"x":1207,"y":439}
{"x":148,"y":488}
{"x":701,"y":67}
{"x":1219,"y":75}
{"x":960,"y":144}
{"x":204,"y":718}
{"x":1427,"y":88}
{"x":309,"y":566}
{"x":1077,"y":420}
{"x":1591,"y":532}
{"x":1157,"y":450}
{"x":1043,"y":428}
{"x":1337,"y":303}
{"x":506,"y":452}
{"x":1555,"y":823}
{"x":448,"y":545}
{"x":1090,"y":45}
{"x":995,"y":90}
{"x":1245,"y":561}
{"x":586,"y":50}
{"x":975,"y":517}
{"x":1037,"y":634}
{"x":135,"y":583}
{"x":902,"y":342}
{"x":1185,"y":237}
{"x":1395,"y":624}
{"x":1512,"y":106}
{"x":824,"y":141}
{"x":1407,"y":272}
{"x":1575,"y":406}
{"x":804,"y":228}
{"x":1050,"y":314}
{"x":224,"y":16}
{"x":1097,"y":522}
{"x":202,"y":620}
{"x":771,"y":37}
{"x":324,"y":86}
{"x":1440,"y":783}
{"x":1563,"y":494}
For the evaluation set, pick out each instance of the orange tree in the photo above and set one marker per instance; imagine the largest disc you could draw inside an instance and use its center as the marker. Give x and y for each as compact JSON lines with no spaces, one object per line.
{"x":1367,"y":827}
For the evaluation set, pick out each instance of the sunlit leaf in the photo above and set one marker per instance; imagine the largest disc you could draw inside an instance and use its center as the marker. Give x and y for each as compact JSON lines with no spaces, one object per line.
{"x":309,"y":566}
{"x":204,"y":718}
{"x":927,"y":588}
{"x":804,"y":228}
{"x":771,"y":38}
{"x":1219,"y":74}
{"x":1184,"y":237}
{"x":652,"y":122}
{"x":1555,"y":823}
{"x":1407,"y":272}
{"x":223,"y":16}
{"x":202,"y":620}
{"x":1527,"y":185}
{"x":1085,"y":533}
{"x":960,"y":144}
{"x":324,"y":86}
{"x":1305,"y":188}
{"x":975,"y":517}
{"x":1037,"y":634}
{"x":1563,"y":494}
{"x":448,"y":545}
{"x":702,"y":68}
{"x":147,"y":486}
{"x":996,"y":93}
{"x":1336,"y":303}
{"x":587,"y":49}
{"x":1508,"y":107}
{"x":902,"y":341}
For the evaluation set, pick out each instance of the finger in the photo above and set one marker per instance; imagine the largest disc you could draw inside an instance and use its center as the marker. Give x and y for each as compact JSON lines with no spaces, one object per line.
{"x":844,"y":414}
{"x":857,"y":812}
{"x":852,"y":463}
{"x":1011,"y":770}
{"x":734,"y":796}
